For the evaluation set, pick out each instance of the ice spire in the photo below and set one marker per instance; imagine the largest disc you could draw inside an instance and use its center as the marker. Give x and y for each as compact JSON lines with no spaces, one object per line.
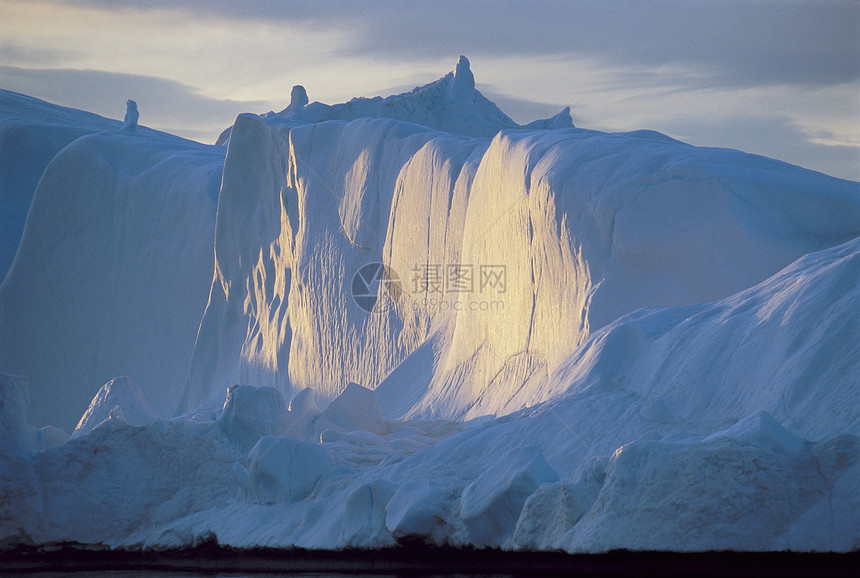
{"x":298,"y":97}
{"x":464,"y":80}
{"x":298,"y":100}
{"x":131,"y":115}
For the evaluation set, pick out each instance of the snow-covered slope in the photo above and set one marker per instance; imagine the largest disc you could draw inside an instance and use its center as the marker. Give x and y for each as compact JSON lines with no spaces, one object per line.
{"x":541,"y":338}
{"x":113,"y":270}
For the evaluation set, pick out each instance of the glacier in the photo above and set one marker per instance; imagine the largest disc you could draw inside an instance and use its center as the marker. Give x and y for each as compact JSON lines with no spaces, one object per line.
{"x":409,"y":319}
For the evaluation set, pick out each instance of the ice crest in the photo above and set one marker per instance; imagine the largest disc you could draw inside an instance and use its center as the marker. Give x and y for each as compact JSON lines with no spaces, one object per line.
{"x":464,"y":80}
{"x":451,"y":104}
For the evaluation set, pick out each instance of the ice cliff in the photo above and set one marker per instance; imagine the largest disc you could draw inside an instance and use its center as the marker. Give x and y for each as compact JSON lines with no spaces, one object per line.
{"x":580,"y":228}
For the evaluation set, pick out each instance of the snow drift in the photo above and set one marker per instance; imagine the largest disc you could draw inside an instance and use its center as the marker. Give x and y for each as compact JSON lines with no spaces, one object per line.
{"x":536,"y":337}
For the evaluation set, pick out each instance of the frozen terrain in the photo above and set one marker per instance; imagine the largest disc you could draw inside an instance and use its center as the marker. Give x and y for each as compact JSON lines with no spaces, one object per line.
{"x":409,"y":319}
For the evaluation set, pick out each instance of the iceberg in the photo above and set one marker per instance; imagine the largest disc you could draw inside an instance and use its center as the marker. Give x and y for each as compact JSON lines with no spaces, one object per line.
{"x":408,"y":320}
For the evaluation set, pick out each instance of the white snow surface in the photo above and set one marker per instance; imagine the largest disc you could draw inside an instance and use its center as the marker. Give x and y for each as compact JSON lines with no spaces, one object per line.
{"x":591,"y":341}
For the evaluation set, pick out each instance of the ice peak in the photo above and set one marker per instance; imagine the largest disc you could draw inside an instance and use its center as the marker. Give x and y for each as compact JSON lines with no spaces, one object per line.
{"x":451,"y":104}
{"x":464,"y":80}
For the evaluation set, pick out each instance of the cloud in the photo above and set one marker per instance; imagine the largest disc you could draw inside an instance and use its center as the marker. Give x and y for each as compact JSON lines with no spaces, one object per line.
{"x":704,"y":71}
{"x":164,"y":104}
{"x":736,"y":42}
{"x":30,"y":55}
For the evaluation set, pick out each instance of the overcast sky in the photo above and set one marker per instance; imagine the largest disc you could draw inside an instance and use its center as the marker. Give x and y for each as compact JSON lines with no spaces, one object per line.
{"x":778,"y":78}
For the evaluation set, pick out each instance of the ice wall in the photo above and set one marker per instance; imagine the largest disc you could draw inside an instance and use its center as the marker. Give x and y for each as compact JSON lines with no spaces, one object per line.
{"x":585,"y":227}
{"x":590,"y":226}
{"x":294,"y":225}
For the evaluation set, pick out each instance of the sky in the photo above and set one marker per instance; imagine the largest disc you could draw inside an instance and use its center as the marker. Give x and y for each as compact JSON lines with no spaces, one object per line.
{"x":779,"y":78}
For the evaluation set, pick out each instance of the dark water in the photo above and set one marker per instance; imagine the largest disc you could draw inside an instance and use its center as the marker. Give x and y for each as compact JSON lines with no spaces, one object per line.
{"x":215,"y":561}
{"x":417,"y":573}
{"x":154,"y":574}
{"x":170,"y":574}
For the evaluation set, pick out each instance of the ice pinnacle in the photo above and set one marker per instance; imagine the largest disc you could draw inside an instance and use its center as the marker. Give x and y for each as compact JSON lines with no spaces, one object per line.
{"x":298,"y":97}
{"x":464,"y":80}
{"x":131,"y":115}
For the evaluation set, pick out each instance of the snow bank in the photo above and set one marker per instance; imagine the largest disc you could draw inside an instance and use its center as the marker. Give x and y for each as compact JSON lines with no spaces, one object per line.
{"x":356,"y":408}
{"x":715,"y":363}
{"x":47,"y":437}
{"x":744,"y":487}
{"x":491,"y":505}
{"x":365,"y":514}
{"x":415,"y":514}
{"x":303,"y":416}
{"x":554,"y":508}
{"x":118,"y":479}
{"x":250,"y":413}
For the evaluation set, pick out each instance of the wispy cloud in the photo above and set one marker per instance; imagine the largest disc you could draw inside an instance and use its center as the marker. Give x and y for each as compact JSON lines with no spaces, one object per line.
{"x":738,"y":41}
